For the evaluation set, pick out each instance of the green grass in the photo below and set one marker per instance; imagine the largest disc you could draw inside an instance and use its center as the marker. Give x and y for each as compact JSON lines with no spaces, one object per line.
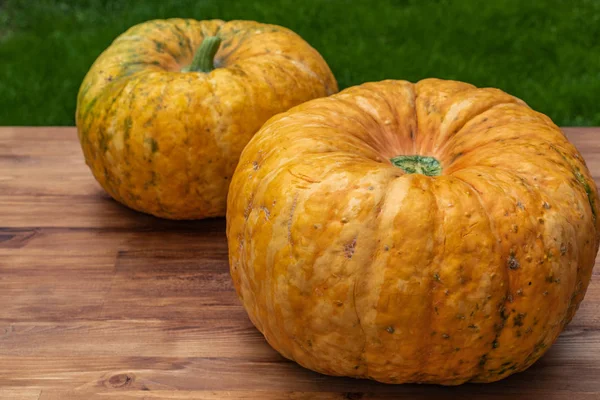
{"x":545,"y":52}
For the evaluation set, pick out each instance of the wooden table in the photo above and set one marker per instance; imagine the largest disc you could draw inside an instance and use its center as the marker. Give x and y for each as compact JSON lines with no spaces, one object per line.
{"x":100,"y":302}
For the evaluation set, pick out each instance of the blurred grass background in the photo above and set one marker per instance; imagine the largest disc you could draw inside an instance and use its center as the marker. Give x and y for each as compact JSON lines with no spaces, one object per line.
{"x":546,"y":52}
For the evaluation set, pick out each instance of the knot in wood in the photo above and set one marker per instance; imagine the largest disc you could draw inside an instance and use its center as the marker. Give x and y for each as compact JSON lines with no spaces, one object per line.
{"x":120,"y":380}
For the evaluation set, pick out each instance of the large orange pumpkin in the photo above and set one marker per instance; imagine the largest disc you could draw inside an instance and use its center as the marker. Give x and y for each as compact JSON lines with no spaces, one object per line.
{"x":165,"y":111}
{"x":431,"y":232}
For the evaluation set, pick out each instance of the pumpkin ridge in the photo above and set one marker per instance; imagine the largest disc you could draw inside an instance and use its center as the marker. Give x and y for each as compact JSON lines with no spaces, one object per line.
{"x":391,"y":110}
{"x":536,"y":351}
{"x":364,"y":356}
{"x":363,"y":353}
{"x":507,"y":146}
{"x":580,"y":178}
{"x":176,"y":29}
{"x":299,"y":66}
{"x":498,"y":249}
{"x":369,"y":139}
{"x":435,"y":262}
{"x":448,"y":140}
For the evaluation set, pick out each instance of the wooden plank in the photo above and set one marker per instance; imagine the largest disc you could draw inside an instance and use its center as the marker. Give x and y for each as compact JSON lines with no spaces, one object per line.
{"x":55,"y":274}
{"x":48,"y":275}
{"x":202,"y":357}
{"x":20,"y":394}
{"x":101,"y":302}
{"x":107,"y":374}
{"x":136,"y":338}
{"x":418,"y":393}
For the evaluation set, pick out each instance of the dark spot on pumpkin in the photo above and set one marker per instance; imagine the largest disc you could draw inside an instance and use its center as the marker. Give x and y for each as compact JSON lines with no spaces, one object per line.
{"x":153,"y":144}
{"x":563,"y":249}
{"x":482,"y":360}
{"x":255,"y":165}
{"x":529,"y":283}
{"x":513,"y":263}
{"x":151,"y":181}
{"x":386,"y":248}
{"x":349,"y":248}
{"x":436,"y":277}
{"x":588,"y":190}
{"x":550,"y":278}
{"x":103,"y":140}
{"x":445,"y":336}
{"x":472,"y":326}
{"x":456,"y":157}
{"x":127,"y":130}
{"x":539,"y":347}
{"x":436,"y":310}
{"x":518,"y":319}
{"x":520,"y":205}
{"x":460,"y":316}
{"x":545,"y":293}
{"x":495,"y":344}
{"x":390,"y":329}
{"x":547,"y":206}
{"x":371,"y":188}
{"x":499,"y":326}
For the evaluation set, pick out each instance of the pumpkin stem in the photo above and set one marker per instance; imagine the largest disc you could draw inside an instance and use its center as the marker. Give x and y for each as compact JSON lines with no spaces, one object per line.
{"x":418,"y":165}
{"x":204,"y":57}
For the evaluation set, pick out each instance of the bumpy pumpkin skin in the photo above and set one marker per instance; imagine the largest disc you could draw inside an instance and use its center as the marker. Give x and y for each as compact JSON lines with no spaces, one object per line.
{"x":351,"y":267}
{"x":167,"y":142}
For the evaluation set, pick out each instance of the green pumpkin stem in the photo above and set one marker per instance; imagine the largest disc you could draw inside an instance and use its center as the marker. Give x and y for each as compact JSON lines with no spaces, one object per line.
{"x":204,"y":58}
{"x":418,"y":165}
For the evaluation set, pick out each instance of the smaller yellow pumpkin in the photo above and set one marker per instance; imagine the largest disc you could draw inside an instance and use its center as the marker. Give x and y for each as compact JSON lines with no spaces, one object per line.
{"x":165,"y":111}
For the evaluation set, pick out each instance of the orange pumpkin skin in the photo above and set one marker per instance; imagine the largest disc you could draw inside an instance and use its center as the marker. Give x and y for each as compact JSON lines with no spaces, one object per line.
{"x":166,"y":142}
{"x":350,"y":266}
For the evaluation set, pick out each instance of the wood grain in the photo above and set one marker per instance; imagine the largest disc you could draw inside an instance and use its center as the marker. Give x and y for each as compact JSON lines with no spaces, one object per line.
{"x":100,"y":302}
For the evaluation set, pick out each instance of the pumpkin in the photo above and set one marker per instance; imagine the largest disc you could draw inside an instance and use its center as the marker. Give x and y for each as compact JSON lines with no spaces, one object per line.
{"x":165,"y":111}
{"x":432,"y":232}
